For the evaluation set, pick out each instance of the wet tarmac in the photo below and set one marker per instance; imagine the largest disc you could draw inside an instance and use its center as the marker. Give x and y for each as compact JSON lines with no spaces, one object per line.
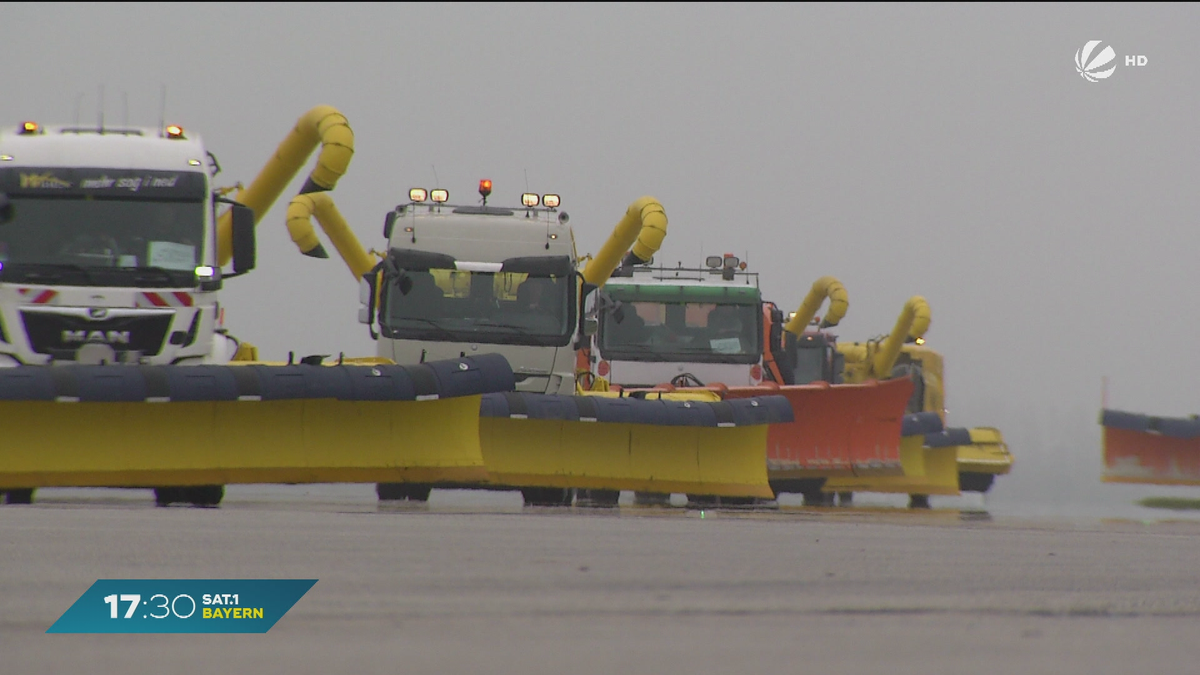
{"x":476,"y":582}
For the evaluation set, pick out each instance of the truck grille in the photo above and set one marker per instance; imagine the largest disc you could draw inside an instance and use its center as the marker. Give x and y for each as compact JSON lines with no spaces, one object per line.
{"x":60,"y":337}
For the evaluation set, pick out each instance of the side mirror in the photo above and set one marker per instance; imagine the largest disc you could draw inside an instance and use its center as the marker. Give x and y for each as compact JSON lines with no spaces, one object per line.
{"x":244,"y":246}
{"x":366,"y":301}
{"x":589,"y":326}
{"x":586,"y":290}
{"x":6,"y":209}
{"x":388,"y":223}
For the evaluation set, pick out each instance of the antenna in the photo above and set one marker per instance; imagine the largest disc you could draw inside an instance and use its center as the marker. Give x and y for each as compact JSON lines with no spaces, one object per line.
{"x":162,"y":111}
{"x":435,"y":178}
{"x":125,"y":100}
{"x":526,"y":180}
{"x":100,"y":111}
{"x":78,"y":104}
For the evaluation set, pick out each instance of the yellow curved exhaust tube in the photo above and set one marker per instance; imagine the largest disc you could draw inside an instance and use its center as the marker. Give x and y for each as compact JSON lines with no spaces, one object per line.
{"x":910,"y":325}
{"x":320,"y":205}
{"x":645,"y":223}
{"x":322,"y":125}
{"x":825,"y":287}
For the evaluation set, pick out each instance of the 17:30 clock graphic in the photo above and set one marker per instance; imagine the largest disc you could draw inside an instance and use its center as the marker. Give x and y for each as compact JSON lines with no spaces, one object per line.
{"x":168,"y":605}
{"x":181,"y":605}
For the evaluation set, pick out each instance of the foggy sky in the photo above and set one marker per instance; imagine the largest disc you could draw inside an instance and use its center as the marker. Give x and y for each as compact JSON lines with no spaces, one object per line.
{"x":949,"y":151}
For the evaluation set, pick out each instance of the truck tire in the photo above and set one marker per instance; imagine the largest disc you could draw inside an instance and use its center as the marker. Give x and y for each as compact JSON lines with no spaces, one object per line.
{"x":918,"y":502}
{"x":413,"y":492}
{"x":18,"y":496}
{"x":537,"y":496}
{"x":206,"y":495}
{"x":598,"y":498}
{"x":970,"y":481}
{"x":652,"y":498}
{"x":703,"y":501}
{"x":165,"y":496}
{"x":817,"y":498}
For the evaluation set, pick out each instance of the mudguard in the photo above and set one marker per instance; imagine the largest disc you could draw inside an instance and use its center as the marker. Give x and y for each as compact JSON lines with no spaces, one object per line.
{"x":145,"y":426}
{"x":1150,"y":450}
{"x":650,"y":444}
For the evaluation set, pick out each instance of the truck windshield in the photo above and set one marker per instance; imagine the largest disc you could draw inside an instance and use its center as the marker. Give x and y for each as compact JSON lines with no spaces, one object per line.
{"x":667,"y":331}
{"x":810,"y":365}
{"x":490,"y":307}
{"x":85,"y":230}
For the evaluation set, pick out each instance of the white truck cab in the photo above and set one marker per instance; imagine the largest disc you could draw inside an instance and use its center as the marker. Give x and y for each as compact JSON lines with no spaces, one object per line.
{"x":471,"y":279}
{"x":108,"y":247}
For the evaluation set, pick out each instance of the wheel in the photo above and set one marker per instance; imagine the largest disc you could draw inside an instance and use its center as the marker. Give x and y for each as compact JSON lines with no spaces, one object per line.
{"x":414,"y":492}
{"x":547,"y":496}
{"x":19,"y":496}
{"x":969,"y":481}
{"x":918,"y":501}
{"x":743,"y":502}
{"x":652,"y":498}
{"x":205,"y":495}
{"x":598,"y":498}
{"x":165,"y":496}
{"x":817,"y":498}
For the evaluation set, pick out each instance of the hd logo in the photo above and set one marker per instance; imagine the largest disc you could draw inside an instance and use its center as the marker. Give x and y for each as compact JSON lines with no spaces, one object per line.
{"x":1094,"y":65}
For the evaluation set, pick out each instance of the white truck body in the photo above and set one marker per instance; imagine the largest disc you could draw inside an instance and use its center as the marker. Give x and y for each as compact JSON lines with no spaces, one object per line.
{"x":108,"y":253}
{"x":479,"y":257}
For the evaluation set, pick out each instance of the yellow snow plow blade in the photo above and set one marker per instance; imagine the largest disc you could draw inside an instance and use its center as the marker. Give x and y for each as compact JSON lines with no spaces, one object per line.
{"x":987,"y":453}
{"x":688,"y":444}
{"x":199,"y":443}
{"x":150,"y":426}
{"x":981,"y":460}
{"x":928,"y":455}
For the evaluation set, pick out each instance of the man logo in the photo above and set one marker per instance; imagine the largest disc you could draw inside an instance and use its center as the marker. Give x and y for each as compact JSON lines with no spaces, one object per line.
{"x":1088,"y":67}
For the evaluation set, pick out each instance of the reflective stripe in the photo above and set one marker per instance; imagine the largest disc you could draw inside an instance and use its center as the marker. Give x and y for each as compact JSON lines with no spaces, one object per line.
{"x":42,"y":297}
{"x":172,"y":299}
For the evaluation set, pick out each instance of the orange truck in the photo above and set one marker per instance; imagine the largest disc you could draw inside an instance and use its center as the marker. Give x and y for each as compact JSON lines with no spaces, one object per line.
{"x":709,"y":328}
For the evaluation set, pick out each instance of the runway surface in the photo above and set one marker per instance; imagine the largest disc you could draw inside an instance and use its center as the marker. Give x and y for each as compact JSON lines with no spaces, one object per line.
{"x":473,"y":582}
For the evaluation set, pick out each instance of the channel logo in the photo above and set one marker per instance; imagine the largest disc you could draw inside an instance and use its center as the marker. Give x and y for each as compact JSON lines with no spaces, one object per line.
{"x":1092,"y":67}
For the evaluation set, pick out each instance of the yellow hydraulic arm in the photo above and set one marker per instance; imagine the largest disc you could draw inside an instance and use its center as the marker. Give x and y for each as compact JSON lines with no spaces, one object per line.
{"x":875,"y":360}
{"x":322,"y":125}
{"x":643,"y":227}
{"x":825,"y":287}
{"x":303,"y":208}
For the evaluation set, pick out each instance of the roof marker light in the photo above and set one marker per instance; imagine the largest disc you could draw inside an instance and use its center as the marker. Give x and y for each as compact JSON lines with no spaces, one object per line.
{"x":417,"y":194}
{"x":193,"y":162}
{"x":530,"y":199}
{"x":29,"y":127}
{"x":440,"y":195}
{"x":174,"y":131}
{"x":485,"y":187}
{"x":6,"y":158}
{"x":551,"y":201}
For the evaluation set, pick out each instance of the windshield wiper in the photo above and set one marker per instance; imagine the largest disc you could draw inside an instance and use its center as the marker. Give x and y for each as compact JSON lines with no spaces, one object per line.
{"x":50,"y":271}
{"x":144,"y":273}
{"x":445,"y":331}
{"x":494,"y":324}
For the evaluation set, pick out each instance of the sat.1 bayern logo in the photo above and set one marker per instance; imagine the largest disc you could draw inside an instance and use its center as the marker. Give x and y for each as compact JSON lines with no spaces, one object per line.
{"x":1094,"y":64}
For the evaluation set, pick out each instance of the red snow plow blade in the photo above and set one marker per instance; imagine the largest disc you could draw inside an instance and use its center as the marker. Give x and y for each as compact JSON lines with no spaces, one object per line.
{"x":1151,"y":450}
{"x":839,"y":429}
